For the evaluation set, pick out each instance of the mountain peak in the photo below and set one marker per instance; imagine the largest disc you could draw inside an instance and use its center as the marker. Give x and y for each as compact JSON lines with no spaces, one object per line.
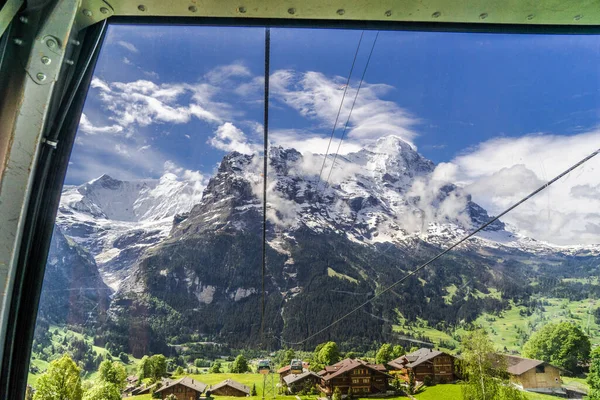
{"x":391,"y":144}
{"x":105,"y":181}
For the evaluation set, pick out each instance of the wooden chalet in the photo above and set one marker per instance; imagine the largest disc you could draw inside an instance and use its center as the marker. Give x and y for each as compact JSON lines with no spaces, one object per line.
{"x":297,"y":382}
{"x":287,"y":370}
{"x":534,"y":375}
{"x":355,"y":375}
{"x":229,"y":388}
{"x":184,"y":389}
{"x":437,"y":365}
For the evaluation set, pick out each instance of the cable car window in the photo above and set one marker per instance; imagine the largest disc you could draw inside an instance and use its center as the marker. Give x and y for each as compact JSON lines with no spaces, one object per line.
{"x":402,"y":210}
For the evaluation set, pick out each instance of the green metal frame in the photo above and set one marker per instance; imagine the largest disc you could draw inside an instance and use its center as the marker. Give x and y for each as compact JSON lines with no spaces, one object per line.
{"x":40,"y":45}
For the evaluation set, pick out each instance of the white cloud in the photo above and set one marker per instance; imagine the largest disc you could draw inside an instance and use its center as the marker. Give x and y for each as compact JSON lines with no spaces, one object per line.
{"x":127,"y":45}
{"x":230,"y":138}
{"x":87,"y":127}
{"x":100,"y":84}
{"x":310,"y":142}
{"x":499,"y":172}
{"x":318,"y":97}
{"x":144,"y":102}
{"x":426,"y":192}
{"x":223,"y":73}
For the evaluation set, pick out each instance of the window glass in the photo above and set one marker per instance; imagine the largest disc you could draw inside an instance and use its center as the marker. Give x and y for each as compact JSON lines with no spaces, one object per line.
{"x":384,"y":149}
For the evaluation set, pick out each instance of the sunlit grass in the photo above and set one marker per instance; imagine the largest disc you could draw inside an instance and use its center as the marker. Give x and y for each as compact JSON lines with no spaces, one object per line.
{"x":504,"y":330}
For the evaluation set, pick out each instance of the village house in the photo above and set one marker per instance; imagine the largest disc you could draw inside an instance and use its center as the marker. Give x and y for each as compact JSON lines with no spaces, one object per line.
{"x":355,"y":375}
{"x":435,"y":364}
{"x":184,"y":389}
{"x":298,"y":382}
{"x":534,"y":375}
{"x":287,"y":370}
{"x":229,"y":388}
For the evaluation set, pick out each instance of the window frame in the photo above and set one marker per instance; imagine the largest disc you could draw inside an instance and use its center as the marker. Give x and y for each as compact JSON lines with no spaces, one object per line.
{"x":49,"y":175}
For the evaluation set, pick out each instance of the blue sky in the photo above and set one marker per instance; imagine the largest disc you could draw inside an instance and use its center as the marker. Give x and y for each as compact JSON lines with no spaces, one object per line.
{"x":178,"y":98}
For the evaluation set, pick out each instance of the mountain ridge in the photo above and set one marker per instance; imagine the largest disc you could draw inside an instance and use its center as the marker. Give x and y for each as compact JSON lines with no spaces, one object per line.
{"x":382,"y":212}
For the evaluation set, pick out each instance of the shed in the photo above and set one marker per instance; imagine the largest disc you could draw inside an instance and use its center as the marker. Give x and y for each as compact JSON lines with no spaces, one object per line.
{"x":534,"y":375}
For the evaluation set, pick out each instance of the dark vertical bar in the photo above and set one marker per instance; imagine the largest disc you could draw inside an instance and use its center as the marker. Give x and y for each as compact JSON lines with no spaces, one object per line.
{"x":265,"y":164}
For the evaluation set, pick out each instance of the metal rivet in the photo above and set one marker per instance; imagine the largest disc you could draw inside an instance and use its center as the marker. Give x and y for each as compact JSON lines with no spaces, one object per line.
{"x":291,"y":11}
{"x":241,"y":9}
{"x":87,"y":13}
{"x":75,"y":42}
{"x":578,"y":17}
{"x":46,"y":60}
{"x":193,"y":8}
{"x":23,"y":19}
{"x":51,"y":43}
{"x":41,"y":76}
{"x":18,"y":41}
{"x":483,"y":16}
{"x":70,"y":62}
{"x":104,"y":10}
{"x":341,"y":11}
{"x":388,"y":13}
{"x":530,"y":17}
{"x":142,"y":7}
{"x":436,"y":14}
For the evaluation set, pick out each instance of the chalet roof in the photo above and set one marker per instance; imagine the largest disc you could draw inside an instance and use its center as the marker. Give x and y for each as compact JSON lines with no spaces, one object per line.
{"x":293,"y":378}
{"x":346,"y":365}
{"x":143,"y":389}
{"x":231,"y":383}
{"x":415,"y":358}
{"x":519,"y":365}
{"x":185,"y":381}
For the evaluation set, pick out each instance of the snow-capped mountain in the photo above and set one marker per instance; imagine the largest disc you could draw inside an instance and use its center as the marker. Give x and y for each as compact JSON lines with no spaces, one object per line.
{"x":117,"y":220}
{"x":192,"y":258}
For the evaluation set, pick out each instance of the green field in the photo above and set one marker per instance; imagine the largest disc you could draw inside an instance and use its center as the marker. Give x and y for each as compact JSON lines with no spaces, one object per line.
{"x":453,"y":392}
{"x":510,"y":329}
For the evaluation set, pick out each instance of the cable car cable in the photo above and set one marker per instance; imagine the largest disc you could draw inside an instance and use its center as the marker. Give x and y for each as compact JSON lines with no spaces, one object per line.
{"x":351,"y":109}
{"x":340,"y":108}
{"x":420,"y":267}
{"x":265,"y":164}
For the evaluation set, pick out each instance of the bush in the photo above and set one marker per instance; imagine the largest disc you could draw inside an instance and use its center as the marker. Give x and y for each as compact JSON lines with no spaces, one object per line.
{"x":337,"y":394}
{"x":428,"y":381}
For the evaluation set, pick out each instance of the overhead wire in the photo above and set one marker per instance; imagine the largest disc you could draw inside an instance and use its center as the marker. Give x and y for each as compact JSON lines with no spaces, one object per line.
{"x":265,"y":165}
{"x":351,"y":109}
{"x":440,"y":254}
{"x":341,"y":104}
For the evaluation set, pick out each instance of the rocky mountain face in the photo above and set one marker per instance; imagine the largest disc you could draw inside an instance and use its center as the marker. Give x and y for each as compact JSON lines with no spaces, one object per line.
{"x":73,"y":291}
{"x":117,"y":220}
{"x":184,"y":263}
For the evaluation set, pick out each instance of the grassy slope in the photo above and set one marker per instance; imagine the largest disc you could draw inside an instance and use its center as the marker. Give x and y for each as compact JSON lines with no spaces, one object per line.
{"x":57,"y":339}
{"x":503,"y":330}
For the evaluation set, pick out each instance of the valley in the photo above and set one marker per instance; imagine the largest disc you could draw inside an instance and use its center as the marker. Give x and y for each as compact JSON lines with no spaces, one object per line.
{"x":176,"y":261}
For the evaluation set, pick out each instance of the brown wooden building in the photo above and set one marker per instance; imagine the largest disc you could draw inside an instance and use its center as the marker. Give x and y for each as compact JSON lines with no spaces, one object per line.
{"x":297,"y":382}
{"x":356,"y":375}
{"x":287,"y":370}
{"x":229,"y":388}
{"x":184,"y":389}
{"x":439,"y":366}
{"x":534,"y":375}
